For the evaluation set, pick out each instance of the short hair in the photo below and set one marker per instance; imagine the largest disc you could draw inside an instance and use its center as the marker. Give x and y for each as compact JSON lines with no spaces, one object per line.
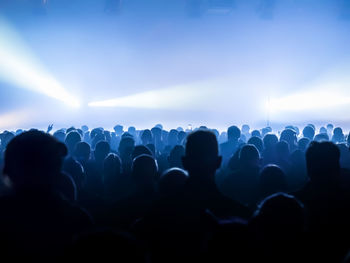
{"x":34,"y":158}
{"x":233,"y":132}
{"x":248,"y":153}
{"x":201,"y":145}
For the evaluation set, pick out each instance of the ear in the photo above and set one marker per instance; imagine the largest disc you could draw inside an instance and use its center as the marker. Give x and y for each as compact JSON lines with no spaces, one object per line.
{"x":6,"y":180}
{"x":218,"y":162}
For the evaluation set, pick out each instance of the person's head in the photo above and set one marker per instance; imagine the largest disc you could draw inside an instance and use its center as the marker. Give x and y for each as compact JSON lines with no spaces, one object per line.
{"x":84,"y":128}
{"x":330,"y":128}
{"x":265,"y":131}
{"x":256,"y":133}
{"x":156,"y":133}
{"x":118,"y":129}
{"x":102,"y":149}
{"x":126,"y":147}
{"x":82,"y":151}
{"x":257,"y":142}
{"x":272,"y":180}
{"x":172,"y":182}
{"x":233,"y":133}
{"x":249,"y":155}
{"x":175,"y":156}
{"x":132,"y":130}
{"x":112,"y":167}
{"x":280,"y":217}
{"x":338,"y":135}
{"x":160,"y":126}
{"x":146,"y":137}
{"x":270,"y":140}
{"x":144,"y":171}
{"x":34,"y":159}
{"x":201,"y":154}
{"x":70,"y":129}
{"x":72,"y":138}
{"x":309,"y":132}
{"x":322,"y":161}
{"x":321,"y":137}
{"x":59,"y":135}
{"x":303,"y":143}
{"x":140,"y":149}
{"x":245,"y":128}
{"x":182,"y":136}
{"x":173,"y":137}
{"x":76,"y":171}
{"x":289,"y":136}
{"x":323,"y":130}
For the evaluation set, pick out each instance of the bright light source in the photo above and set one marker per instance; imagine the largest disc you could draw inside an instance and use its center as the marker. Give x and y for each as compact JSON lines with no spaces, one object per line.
{"x":168,"y":98}
{"x":19,"y":67}
{"x":308,"y":101}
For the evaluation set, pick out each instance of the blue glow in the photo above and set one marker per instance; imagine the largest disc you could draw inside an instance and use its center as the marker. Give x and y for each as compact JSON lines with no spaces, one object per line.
{"x":19,"y":67}
{"x":163,"y":62}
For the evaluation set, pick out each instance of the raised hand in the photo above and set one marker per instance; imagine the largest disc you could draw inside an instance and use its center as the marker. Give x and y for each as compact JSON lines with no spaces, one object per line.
{"x":49,"y":128}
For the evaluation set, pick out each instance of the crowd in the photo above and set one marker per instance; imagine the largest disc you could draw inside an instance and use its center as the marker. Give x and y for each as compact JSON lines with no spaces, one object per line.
{"x":176,"y":196}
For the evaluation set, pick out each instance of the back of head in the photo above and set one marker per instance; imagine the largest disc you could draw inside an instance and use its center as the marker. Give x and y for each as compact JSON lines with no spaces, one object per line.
{"x":172,"y":181}
{"x":289,"y":136}
{"x":146,"y":137}
{"x":111,"y":169}
{"x":175,"y":156}
{"x":272,"y":180}
{"x":280,"y":216}
{"x":233,"y":133}
{"x":144,"y":170}
{"x":322,"y":137}
{"x":82,"y":151}
{"x":256,"y":133}
{"x":34,"y":159}
{"x":75,"y":170}
{"x":60,"y":135}
{"x":156,"y":132}
{"x":303,"y":143}
{"x":118,"y":129}
{"x":140,"y":149}
{"x":101,"y":151}
{"x":323,"y":130}
{"x":309,"y":132}
{"x":201,"y":153}
{"x":173,"y":137}
{"x":338,"y":135}
{"x":72,"y":138}
{"x":322,"y":160}
{"x":257,"y":142}
{"x":249,"y":155}
{"x":270,"y":140}
{"x":245,"y":128}
{"x":126,"y":147}
{"x":132,"y":130}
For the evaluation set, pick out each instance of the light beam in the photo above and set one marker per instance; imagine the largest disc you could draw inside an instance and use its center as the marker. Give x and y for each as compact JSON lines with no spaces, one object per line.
{"x":18,"y":66}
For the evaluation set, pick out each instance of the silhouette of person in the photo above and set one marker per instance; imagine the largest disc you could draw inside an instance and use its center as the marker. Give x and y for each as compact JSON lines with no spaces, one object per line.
{"x":36,"y":222}
{"x":228,"y":148}
{"x":201,"y":160}
{"x":242,"y":184}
